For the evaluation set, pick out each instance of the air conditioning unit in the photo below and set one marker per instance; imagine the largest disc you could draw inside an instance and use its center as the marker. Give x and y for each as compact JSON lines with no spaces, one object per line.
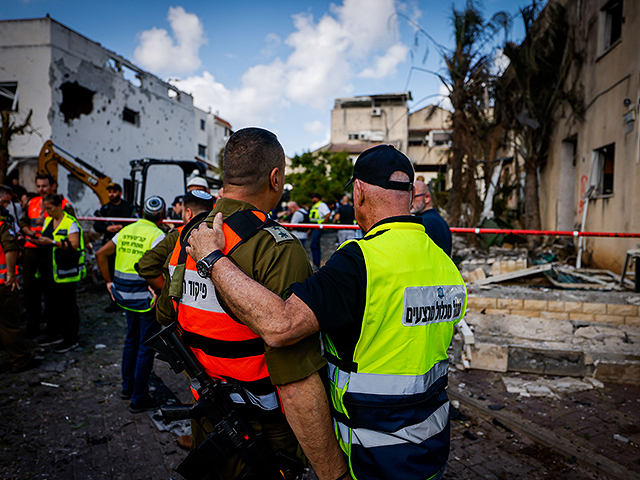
{"x":376,"y":112}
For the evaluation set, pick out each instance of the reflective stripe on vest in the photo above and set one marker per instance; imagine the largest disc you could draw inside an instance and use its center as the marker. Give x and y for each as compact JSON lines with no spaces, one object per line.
{"x":35,"y":210}
{"x":228,"y":350}
{"x":67,"y":274}
{"x":390,"y":408}
{"x":129,"y":289}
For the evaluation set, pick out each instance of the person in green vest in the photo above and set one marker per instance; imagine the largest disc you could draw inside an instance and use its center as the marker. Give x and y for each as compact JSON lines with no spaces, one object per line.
{"x":61,"y":266}
{"x":318,"y":213}
{"x":130,"y":291}
{"x":386,"y":305}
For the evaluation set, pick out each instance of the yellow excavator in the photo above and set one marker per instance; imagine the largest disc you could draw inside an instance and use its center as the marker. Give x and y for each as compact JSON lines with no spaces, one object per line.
{"x":135,"y":188}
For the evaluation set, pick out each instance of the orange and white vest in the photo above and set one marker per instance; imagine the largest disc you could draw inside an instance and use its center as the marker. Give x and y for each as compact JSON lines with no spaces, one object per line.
{"x":3,"y":264}
{"x":226,"y":348}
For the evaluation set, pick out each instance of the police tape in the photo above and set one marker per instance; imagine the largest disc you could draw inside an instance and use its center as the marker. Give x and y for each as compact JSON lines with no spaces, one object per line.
{"x":477,"y":231}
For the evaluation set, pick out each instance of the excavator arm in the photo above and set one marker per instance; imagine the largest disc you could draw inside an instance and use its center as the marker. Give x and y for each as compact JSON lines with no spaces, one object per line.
{"x":51,"y":156}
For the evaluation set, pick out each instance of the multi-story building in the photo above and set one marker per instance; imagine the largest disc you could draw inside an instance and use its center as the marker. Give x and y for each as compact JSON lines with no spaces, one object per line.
{"x":601,"y":153}
{"x":93,"y":103}
{"x":358,"y":123}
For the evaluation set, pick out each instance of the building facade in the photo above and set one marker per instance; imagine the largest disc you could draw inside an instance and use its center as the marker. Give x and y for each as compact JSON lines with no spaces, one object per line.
{"x":92,"y":103}
{"x":593,"y":167}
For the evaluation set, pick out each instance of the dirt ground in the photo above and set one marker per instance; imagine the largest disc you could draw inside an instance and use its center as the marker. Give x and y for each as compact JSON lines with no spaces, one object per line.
{"x":65,"y":420}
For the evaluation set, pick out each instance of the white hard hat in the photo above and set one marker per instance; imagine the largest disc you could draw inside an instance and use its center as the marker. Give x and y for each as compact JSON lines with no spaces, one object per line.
{"x":197,"y":182}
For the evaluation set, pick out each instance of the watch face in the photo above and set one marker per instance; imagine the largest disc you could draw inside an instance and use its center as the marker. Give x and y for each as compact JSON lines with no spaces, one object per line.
{"x":203,"y":268}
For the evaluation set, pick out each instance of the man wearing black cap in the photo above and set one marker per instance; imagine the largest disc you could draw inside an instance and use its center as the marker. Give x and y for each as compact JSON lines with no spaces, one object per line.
{"x":116,"y":208}
{"x":386,"y":305}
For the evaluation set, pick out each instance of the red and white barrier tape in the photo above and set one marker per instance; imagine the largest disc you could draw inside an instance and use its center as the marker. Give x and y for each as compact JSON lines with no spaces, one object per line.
{"x":477,"y":231}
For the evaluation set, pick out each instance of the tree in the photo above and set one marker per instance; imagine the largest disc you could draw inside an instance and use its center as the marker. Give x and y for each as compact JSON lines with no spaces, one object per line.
{"x":8,"y":129}
{"x":541,"y":78}
{"x":322,"y":172}
{"x":470,"y":83}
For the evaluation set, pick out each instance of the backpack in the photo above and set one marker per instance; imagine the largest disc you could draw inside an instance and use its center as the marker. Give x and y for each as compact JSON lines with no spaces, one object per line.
{"x":305,"y":215}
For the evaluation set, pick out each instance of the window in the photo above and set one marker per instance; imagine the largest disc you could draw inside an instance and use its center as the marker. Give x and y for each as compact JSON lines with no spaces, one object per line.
{"x":131,"y":116}
{"x":8,"y":96}
{"x":202,"y":151}
{"x":603,"y":169}
{"x":612,"y":16}
{"x":439,"y":138}
{"x":203,"y":124}
{"x":353,"y":136}
{"x":76,"y":101}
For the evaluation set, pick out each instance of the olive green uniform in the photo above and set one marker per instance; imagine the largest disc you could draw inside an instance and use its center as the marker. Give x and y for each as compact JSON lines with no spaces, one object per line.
{"x":276,"y":259}
{"x":155,"y":262}
{"x":10,"y":331}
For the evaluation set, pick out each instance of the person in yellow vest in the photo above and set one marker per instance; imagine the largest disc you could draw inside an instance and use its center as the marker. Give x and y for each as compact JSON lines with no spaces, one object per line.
{"x":31,"y":225}
{"x":318,"y":213}
{"x":130,"y":291}
{"x":10,"y":331}
{"x":61,"y":267}
{"x":387,"y":305}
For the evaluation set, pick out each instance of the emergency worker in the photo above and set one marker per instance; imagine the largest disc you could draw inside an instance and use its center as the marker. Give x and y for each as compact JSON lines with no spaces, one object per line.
{"x":61,"y":266}
{"x":318,"y":213}
{"x":253,"y":181}
{"x":436,"y":226}
{"x":10,"y":331}
{"x":31,"y":224}
{"x":130,"y":291}
{"x":387,"y":305}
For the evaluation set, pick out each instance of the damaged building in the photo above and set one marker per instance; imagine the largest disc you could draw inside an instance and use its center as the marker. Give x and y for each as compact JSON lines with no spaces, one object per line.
{"x":97,"y":106}
{"x":593,"y":168}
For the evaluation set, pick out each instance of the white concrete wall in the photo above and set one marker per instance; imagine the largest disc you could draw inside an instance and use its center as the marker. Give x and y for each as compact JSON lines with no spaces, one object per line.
{"x":100,"y":137}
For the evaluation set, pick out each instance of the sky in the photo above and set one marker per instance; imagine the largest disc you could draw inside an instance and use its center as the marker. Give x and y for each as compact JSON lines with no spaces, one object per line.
{"x":281,"y":64}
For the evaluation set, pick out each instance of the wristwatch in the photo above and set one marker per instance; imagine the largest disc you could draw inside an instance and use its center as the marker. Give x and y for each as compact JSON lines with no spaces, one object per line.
{"x":203,"y":267}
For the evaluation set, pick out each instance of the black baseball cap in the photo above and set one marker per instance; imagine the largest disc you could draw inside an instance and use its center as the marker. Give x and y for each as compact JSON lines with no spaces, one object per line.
{"x":114,"y":186}
{"x":376,"y":165}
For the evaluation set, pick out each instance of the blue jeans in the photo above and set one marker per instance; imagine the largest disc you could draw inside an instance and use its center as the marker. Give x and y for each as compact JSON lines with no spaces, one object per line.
{"x":137,"y":359}
{"x":316,"y":253}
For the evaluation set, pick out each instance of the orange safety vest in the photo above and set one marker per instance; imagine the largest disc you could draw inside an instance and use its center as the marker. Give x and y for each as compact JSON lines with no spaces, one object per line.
{"x":34,"y":210}
{"x":227,"y":349}
{"x":3,"y":264}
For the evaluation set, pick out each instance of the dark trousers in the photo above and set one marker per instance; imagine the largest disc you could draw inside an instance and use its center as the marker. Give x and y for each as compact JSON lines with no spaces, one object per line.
{"x":61,"y":310}
{"x":316,"y":253}
{"x":137,"y":358}
{"x":10,"y":332}
{"x":33,"y":291}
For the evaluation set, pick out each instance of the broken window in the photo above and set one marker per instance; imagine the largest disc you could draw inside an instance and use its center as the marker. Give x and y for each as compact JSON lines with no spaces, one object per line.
{"x":131,"y":75}
{"x":76,"y":101}
{"x":202,"y":150}
{"x":604,"y":167}
{"x":131,"y":116}
{"x":173,"y":93}
{"x":612,"y":13}
{"x":9,"y":96}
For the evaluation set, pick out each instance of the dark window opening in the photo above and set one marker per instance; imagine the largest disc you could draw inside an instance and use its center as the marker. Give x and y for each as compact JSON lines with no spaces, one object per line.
{"x":76,"y":101}
{"x":131,"y":116}
{"x":202,"y":125}
{"x":606,"y":161}
{"x":612,"y":22}
{"x":8,"y":96}
{"x":202,"y":151}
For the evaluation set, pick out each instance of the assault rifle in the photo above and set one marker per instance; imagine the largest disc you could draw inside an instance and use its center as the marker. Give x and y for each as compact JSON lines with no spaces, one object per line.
{"x":232,"y":433}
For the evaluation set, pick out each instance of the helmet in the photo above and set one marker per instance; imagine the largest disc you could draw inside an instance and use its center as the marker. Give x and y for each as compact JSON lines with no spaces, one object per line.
{"x":154,"y":208}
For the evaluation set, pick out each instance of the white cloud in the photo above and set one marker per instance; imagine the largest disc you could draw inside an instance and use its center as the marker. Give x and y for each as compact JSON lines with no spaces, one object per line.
{"x":386,"y":64}
{"x":314,"y":127}
{"x":444,"y":98}
{"x":161,"y":52}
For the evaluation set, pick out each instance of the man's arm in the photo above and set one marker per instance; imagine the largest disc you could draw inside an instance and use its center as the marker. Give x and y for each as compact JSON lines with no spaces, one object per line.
{"x":277,"y":321}
{"x":107,"y":249}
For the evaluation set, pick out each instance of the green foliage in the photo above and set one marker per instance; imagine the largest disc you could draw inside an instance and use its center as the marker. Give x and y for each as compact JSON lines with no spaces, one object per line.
{"x":321,"y":172}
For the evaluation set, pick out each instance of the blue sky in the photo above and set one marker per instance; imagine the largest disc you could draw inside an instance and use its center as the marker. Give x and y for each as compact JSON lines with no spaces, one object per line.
{"x":278,"y":65}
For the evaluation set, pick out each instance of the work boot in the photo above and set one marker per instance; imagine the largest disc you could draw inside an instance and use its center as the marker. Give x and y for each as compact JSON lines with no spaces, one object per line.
{"x":49,"y":340}
{"x":66,"y":346}
{"x":146,"y":404}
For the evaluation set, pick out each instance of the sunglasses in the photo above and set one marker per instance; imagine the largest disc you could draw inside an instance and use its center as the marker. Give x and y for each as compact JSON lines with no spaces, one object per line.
{"x":418,"y":195}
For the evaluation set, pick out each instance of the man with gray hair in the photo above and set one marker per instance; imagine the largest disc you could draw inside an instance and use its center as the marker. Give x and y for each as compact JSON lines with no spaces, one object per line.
{"x":436,"y":226}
